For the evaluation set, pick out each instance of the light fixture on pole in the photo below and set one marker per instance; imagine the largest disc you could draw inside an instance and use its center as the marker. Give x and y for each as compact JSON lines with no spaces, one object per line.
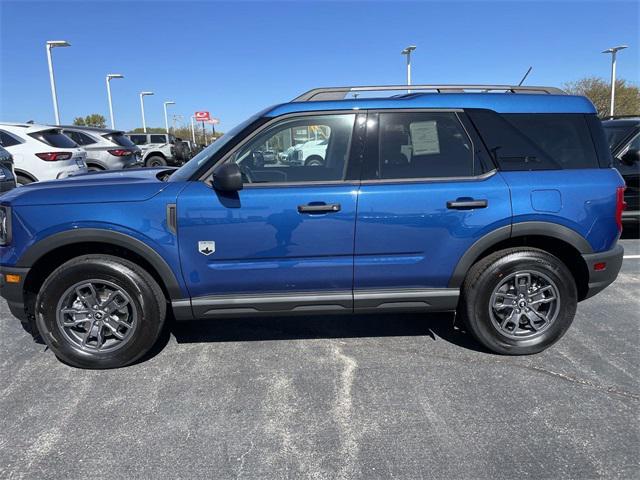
{"x":613,"y":51}
{"x":166,"y":120}
{"x":144,"y":123}
{"x":407,"y":51}
{"x":109,"y":77}
{"x":53,"y":44}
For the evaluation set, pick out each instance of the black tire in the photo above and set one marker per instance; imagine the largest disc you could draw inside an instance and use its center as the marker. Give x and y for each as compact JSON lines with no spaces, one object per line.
{"x":23,"y":180}
{"x":94,"y":168}
{"x":148,"y":304}
{"x":476,"y":304}
{"x":156,"y":161}
{"x":314,"y":161}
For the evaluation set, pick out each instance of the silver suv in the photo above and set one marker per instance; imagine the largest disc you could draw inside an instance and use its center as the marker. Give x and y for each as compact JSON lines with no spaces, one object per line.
{"x":158,"y":149}
{"x":106,"y":149}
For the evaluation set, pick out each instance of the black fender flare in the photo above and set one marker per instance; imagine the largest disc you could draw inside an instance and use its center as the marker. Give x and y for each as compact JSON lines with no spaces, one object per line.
{"x":24,"y":173}
{"x":521,"y":229}
{"x":97,"y":235}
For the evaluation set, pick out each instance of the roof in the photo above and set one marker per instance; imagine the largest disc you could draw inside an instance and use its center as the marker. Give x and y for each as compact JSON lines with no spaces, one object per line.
{"x":498,"y":102}
{"x":27,"y":127}
{"x":88,"y":129}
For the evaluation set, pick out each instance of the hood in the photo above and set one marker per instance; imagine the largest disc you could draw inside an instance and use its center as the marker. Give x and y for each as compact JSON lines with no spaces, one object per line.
{"x":134,"y":185}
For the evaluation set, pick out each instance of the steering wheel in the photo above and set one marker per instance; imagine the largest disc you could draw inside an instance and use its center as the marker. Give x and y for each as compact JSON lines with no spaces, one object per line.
{"x":246,"y":174}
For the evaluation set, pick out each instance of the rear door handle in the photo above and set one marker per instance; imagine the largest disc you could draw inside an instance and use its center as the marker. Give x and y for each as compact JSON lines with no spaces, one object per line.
{"x":466,"y":204}
{"x":319,"y":208}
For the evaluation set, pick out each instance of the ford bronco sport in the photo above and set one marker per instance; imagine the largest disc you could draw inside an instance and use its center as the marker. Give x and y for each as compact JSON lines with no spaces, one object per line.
{"x":497,"y":202}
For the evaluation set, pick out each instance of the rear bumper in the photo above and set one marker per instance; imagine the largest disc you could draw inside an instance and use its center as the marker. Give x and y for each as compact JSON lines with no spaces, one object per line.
{"x":13,"y":293}
{"x":601,"y":279}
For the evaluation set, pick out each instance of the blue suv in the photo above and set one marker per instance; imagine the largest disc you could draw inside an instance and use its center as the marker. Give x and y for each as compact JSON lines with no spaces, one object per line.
{"x":497,"y":202}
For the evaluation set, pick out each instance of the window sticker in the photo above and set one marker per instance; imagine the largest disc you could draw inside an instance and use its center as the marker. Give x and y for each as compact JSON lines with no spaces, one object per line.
{"x":424,"y":138}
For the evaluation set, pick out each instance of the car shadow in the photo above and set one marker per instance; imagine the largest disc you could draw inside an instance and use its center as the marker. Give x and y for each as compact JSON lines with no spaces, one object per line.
{"x":434,"y":325}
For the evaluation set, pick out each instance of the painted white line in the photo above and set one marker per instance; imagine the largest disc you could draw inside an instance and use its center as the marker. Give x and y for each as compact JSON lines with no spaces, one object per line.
{"x":631,"y":256}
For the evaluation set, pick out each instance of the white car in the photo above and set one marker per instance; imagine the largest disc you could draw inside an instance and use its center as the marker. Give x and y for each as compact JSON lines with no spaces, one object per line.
{"x":41,"y":152}
{"x":310,"y":153}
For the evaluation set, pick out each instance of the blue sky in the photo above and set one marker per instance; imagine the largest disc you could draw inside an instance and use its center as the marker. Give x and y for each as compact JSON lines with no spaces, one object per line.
{"x":234,"y":58}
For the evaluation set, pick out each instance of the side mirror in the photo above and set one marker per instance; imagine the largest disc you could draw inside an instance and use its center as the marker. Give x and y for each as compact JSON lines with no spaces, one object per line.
{"x":631,"y":157}
{"x":227,"y":178}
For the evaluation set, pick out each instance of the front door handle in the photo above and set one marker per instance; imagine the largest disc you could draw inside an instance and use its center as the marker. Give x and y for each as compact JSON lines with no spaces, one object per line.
{"x":466,"y":204}
{"x":319,"y":208}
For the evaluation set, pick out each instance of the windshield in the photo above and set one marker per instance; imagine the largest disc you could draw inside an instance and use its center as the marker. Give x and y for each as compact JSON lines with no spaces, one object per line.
{"x":616,"y":134}
{"x":185,"y":172}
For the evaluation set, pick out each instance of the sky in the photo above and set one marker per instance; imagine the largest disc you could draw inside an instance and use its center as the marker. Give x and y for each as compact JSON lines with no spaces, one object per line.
{"x":236,"y":58}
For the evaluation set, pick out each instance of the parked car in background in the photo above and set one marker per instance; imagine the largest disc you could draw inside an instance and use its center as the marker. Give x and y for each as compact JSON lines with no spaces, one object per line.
{"x":106,"y":149}
{"x":623,"y":136}
{"x":502,"y":206}
{"x":309,"y":153}
{"x":7,"y":175}
{"x":41,"y":152}
{"x":158,"y":149}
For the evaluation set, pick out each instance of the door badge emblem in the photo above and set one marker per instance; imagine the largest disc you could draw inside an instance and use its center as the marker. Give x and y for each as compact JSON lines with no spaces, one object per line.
{"x":206,"y":247}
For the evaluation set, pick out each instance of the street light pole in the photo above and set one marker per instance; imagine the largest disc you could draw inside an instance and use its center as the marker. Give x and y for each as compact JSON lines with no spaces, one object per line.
{"x":193,"y":130}
{"x":144,"y":123}
{"x":613,"y":51}
{"x":407,"y":51}
{"x":109,"y":77}
{"x":52,"y":44}
{"x":166,"y":120}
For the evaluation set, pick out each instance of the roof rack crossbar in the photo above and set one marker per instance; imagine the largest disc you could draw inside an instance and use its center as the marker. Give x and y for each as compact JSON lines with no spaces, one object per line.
{"x":339,"y":93}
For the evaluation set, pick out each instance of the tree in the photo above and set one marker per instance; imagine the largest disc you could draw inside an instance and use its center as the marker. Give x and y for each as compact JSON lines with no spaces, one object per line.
{"x":627,"y":100}
{"x":93,"y":120}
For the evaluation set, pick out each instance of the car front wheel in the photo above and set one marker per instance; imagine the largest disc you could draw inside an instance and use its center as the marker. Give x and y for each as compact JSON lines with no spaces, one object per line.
{"x":518,"y":301}
{"x":100,"y":311}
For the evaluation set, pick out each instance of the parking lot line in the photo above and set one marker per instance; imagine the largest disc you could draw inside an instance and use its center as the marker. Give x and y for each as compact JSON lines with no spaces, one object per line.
{"x":630,"y":257}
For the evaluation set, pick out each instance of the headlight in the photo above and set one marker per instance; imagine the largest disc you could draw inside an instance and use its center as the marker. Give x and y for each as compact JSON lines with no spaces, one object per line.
{"x":5,"y":225}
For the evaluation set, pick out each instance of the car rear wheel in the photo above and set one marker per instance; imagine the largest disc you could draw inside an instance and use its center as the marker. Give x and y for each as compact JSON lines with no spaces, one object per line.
{"x":156,"y":161}
{"x":94,"y":168}
{"x":100,"y":311}
{"x":314,"y":161}
{"x":518,"y":301}
{"x":22,"y":180}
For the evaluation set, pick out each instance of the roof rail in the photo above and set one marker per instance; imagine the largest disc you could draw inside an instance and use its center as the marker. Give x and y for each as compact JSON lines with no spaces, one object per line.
{"x":339,"y":93}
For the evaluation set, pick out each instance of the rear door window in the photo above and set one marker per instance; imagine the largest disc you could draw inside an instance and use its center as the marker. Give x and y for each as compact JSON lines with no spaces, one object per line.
{"x":138,"y":139}
{"x":158,"y":139}
{"x":423,"y":145}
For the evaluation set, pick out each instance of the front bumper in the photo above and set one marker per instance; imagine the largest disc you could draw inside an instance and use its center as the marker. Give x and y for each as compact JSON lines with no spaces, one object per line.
{"x":601,"y":279}
{"x":13,"y":293}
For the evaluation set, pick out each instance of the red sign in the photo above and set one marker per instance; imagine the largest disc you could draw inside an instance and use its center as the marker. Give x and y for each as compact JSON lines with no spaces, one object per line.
{"x":203,"y":116}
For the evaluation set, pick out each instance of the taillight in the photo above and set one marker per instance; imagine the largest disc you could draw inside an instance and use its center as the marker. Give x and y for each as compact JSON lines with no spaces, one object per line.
{"x":54,"y":156}
{"x":620,"y":206}
{"x":120,"y":152}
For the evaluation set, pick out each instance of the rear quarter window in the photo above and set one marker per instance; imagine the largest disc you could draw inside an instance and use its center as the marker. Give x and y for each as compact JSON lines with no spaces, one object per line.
{"x":138,"y":139}
{"x":54,"y":138}
{"x":524,"y":141}
{"x":158,"y":139}
{"x":120,"y":139}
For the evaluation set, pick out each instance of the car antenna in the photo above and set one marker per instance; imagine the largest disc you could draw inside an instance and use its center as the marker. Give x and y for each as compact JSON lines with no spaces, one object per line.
{"x":525,"y":76}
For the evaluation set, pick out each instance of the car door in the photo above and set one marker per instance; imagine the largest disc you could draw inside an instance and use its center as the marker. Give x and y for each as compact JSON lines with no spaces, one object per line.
{"x":428,"y":193}
{"x":285,"y":241}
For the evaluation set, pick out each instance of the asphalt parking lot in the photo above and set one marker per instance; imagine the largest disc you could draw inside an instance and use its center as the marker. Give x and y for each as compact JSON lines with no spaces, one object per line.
{"x":344,"y":397}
